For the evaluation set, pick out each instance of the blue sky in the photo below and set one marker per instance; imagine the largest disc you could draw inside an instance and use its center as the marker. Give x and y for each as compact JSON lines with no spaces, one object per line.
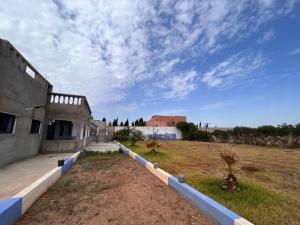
{"x":225,"y":62}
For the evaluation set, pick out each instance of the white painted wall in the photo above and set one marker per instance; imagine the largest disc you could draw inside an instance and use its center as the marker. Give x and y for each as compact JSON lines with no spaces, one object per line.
{"x":157,"y":130}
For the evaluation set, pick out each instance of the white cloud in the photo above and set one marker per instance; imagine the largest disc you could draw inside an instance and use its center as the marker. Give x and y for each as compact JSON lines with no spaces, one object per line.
{"x":179,"y":85}
{"x":216,"y":105}
{"x":267,"y":36}
{"x":103,"y":48}
{"x":295,"y":51}
{"x":232,"y":69}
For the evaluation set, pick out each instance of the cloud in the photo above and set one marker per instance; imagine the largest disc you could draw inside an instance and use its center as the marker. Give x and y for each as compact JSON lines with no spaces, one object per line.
{"x":267,"y":36}
{"x":232,"y":69}
{"x":216,"y":105}
{"x":295,"y":51}
{"x":179,"y":85}
{"x":102,"y":49}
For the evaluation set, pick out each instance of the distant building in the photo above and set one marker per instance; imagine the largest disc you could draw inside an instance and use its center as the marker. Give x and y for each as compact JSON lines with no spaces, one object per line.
{"x":153,"y":132}
{"x":165,"y":121}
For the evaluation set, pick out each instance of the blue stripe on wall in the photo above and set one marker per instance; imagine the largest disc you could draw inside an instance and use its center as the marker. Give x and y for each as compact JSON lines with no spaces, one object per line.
{"x":141,"y":160}
{"x":213,"y":209}
{"x":10,"y":210}
{"x":126,"y":151}
{"x":162,"y":136}
{"x":68,"y":163}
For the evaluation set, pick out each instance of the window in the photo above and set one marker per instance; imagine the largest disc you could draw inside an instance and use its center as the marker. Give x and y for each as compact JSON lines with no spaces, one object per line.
{"x":7,"y":123}
{"x":35,"y":127}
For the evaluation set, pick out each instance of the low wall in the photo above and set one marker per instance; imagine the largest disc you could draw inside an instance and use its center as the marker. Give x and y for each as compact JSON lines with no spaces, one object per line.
{"x":166,"y":133}
{"x":13,"y":208}
{"x":211,"y":208}
{"x":59,"y":146}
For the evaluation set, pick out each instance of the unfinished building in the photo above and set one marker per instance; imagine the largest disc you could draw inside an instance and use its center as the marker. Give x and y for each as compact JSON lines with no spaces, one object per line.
{"x":34,"y":119}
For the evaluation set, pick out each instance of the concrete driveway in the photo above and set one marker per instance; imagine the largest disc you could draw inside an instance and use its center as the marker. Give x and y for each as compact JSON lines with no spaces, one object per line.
{"x":19,"y":175}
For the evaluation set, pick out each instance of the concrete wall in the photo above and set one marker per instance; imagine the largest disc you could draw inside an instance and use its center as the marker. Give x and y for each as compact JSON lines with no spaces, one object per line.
{"x":147,"y":131}
{"x":102,"y":132}
{"x":18,"y":92}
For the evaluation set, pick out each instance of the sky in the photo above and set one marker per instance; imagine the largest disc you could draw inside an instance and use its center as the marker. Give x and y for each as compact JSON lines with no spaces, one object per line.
{"x":225,"y":62}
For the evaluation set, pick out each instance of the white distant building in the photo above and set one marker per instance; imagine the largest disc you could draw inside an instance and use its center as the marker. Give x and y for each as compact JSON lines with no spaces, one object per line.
{"x":162,"y":133}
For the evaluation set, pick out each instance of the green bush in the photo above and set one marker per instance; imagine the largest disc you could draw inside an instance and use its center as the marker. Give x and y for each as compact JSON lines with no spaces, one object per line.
{"x":121,"y":135}
{"x":267,"y":130}
{"x":188,"y":130}
{"x":136,"y":135}
{"x":222,"y":134}
{"x":200,"y":135}
{"x":242,"y":131}
{"x":285,"y":129}
{"x":296,"y":130}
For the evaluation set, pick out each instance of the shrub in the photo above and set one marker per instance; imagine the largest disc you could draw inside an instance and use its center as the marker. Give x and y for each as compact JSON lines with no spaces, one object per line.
{"x":136,"y":135}
{"x":267,"y":130}
{"x":153,"y":146}
{"x":222,"y":134}
{"x":187,"y":129}
{"x":296,"y":130}
{"x":285,"y":129}
{"x":230,"y":158}
{"x":200,"y":136}
{"x":242,"y":131}
{"x":121,"y":135}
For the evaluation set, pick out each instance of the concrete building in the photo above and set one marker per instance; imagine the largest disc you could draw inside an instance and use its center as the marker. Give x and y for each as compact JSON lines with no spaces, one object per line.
{"x":67,"y":123}
{"x":34,"y":119}
{"x":165,"y":121}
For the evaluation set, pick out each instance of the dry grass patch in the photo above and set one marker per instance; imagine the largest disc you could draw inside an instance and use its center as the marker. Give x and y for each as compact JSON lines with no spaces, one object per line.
{"x":264,"y":171}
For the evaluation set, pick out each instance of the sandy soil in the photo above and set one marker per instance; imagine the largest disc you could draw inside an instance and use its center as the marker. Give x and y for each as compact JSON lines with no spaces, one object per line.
{"x":111,"y":190}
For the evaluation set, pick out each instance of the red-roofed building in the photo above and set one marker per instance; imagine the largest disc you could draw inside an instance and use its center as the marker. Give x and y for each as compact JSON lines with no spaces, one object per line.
{"x":165,"y":121}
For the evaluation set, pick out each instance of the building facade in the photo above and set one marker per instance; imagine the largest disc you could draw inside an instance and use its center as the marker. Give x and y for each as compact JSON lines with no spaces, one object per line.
{"x":165,"y":121}
{"x":34,"y":119}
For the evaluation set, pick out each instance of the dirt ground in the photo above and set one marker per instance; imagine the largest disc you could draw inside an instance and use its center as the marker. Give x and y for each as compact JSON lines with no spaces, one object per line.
{"x":111,"y":189}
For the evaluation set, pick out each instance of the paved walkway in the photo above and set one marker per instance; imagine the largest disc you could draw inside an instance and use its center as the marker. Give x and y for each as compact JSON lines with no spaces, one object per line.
{"x":19,"y":175}
{"x":102,"y":147}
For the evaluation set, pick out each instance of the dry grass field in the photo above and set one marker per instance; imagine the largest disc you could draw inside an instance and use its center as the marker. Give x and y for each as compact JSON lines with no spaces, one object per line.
{"x":269,"y":177}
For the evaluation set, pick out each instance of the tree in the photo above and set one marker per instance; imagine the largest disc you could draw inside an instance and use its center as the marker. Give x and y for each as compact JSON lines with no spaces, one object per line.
{"x":140,"y":122}
{"x":126,"y":124}
{"x":135,"y":136}
{"x":121,"y":124}
{"x":104,"y":119}
{"x":109,"y":124}
{"x":153,"y":146}
{"x":132,"y":124}
{"x":115,"y":122}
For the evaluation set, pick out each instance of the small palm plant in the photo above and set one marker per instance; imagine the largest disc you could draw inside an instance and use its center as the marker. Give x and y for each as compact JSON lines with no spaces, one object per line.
{"x":231,"y":158}
{"x":153,"y":146}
